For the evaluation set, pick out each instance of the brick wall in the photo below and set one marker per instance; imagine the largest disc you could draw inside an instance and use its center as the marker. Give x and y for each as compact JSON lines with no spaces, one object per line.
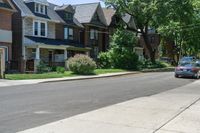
{"x":6,"y":18}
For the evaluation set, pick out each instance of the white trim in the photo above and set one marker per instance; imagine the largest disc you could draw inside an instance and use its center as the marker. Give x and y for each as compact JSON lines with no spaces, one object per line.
{"x":39,"y":28}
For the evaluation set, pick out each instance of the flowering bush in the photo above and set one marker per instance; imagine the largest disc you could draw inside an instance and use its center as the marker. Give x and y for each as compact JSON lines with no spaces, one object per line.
{"x":81,"y":64}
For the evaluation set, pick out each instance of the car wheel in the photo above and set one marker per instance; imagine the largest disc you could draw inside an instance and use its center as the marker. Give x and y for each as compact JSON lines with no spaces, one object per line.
{"x":176,"y":76}
{"x":196,"y":76}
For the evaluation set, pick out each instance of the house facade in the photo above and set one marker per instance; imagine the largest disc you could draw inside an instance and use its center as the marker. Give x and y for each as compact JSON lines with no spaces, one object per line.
{"x":6,"y":11}
{"x":154,"y":40}
{"x":51,"y":33}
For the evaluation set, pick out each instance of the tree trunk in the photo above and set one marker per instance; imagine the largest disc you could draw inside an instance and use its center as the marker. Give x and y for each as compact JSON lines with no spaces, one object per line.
{"x":152,"y":52}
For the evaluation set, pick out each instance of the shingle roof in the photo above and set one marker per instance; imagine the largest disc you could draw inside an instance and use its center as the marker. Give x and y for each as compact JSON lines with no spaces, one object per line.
{"x":85,"y":12}
{"x":63,"y":7}
{"x":108,"y":13}
{"x":52,"y":15}
{"x":53,"y":42}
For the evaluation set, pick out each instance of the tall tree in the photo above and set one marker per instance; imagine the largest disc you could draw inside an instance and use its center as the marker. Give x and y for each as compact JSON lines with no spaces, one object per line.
{"x":151,"y":14}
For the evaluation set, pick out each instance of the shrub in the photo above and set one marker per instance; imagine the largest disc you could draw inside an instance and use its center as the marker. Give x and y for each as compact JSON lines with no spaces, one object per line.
{"x":104,"y":60}
{"x":60,"y":69}
{"x":115,"y":58}
{"x":158,"y":64}
{"x":81,"y":64}
{"x":42,"y":67}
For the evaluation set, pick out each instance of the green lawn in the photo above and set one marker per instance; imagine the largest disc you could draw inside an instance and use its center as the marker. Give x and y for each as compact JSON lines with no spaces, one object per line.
{"x":57,"y":75}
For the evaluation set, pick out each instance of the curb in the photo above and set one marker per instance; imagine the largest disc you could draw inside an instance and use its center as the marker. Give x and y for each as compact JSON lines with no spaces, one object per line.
{"x":92,"y":77}
{"x":170,"y":69}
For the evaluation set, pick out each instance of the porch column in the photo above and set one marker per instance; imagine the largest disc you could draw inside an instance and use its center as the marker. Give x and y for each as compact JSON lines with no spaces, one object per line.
{"x":65,"y":58}
{"x":37,"y":59}
{"x":2,"y":63}
{"x":37,"y":56}
{"x":23,"y":61}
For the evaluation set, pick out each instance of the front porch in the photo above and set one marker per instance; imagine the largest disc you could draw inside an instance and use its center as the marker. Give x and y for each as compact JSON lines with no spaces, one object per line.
{"x":52,"y":57}
{"x":52,"y":52}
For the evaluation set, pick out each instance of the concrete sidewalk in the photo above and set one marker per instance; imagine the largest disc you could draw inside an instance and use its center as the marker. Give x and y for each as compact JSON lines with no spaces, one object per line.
{"x":4,"y":83}
{"x":174,"y":111}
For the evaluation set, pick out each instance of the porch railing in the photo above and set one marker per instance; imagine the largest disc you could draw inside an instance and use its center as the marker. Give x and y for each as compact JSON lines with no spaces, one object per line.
{"x":30,"y":65}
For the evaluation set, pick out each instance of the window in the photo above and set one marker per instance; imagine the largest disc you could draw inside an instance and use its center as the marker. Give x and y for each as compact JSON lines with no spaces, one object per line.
{"x":68,"y":33}
{"x":43,"y":29}
{"x":39,"y":8}
{"x":40,"y":28}
{"x":36,"y":7}
{"x":36,"y":28}
{"x":71,"y":34}
{"x":68,"y":16}
{"x":93,"y":34}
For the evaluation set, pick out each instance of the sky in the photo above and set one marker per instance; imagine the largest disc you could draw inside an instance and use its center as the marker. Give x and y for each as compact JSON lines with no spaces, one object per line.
{"x":60,"y":2}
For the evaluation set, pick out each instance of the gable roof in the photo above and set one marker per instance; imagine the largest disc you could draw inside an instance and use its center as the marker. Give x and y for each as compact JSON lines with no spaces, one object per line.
{"x":85,"y":12}
{"x":108,"y":13}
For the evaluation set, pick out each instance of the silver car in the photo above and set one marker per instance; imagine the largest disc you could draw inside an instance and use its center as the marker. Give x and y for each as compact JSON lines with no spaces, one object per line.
{"x":188,"y":70}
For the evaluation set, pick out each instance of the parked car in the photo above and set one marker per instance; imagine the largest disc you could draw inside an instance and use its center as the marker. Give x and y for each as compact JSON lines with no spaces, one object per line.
{"x":187,"y":59}
{"x":188,"y":70}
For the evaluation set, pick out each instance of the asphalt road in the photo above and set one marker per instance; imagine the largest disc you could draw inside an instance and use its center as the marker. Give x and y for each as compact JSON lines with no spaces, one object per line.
{"x":28,"y":106}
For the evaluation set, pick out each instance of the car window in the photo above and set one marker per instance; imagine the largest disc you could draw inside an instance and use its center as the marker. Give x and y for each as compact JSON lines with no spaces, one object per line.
{"x":188,"y":65}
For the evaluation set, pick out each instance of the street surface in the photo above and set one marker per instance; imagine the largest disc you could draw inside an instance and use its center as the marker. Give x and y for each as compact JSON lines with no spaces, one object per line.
{"x":28,"y":106}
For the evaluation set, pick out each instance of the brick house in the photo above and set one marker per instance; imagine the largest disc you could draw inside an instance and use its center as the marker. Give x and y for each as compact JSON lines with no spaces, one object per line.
{"x":6,"y":11}
{"x":51,"y":33}
{"x":96,"y":32}
{"x":154,"y":39}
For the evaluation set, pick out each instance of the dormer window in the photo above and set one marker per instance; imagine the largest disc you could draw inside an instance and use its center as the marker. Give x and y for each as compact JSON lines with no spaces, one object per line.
{"x":39,"y":8}
{"x":68,"y":16}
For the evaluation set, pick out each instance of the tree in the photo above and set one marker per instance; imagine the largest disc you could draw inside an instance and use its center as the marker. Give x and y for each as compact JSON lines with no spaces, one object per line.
{"x":121,"y":54}
{"x":151,"y":14}
{"x":183,"y":29}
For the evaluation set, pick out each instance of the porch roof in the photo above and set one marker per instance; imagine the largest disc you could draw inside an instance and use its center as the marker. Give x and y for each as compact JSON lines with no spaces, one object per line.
{"x":53,"y":42}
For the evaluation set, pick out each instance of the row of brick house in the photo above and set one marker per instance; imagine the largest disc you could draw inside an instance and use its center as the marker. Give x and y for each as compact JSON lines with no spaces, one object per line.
{"x":42,"y":31}
{"x":50,"y":33}
{"x":6,"y":11}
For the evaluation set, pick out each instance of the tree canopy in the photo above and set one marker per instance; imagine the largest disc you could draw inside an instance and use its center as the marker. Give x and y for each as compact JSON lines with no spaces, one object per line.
{"x":172,"y":19}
